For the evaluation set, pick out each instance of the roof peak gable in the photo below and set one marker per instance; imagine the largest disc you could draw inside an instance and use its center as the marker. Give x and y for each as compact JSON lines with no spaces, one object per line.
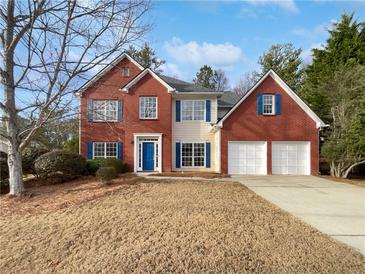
{"x":286,"y":88}
{"x":106,"y":69}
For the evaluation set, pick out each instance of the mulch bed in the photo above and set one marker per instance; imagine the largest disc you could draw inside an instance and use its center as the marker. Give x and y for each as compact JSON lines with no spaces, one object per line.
{"x":43,"y":196}
{"x":357,"y":181}
{"x":206,"y":175}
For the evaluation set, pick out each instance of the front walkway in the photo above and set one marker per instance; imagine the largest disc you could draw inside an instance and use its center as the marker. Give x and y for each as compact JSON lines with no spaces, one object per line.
{"x":337,"y":209}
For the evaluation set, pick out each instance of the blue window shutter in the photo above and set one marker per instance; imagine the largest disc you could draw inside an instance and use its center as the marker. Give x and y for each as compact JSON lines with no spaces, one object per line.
{"x":207,"y":111}
{"x":90,"y":150}
{"x":277,"y":104}
{"x":259,"y":104}
{"x":90,"y":110}
{"x":177,"y":152}
{"x":119,"y":110}
{"x":207,"y":155}
{"x":120,"y":151}
{"x":178,"y":111}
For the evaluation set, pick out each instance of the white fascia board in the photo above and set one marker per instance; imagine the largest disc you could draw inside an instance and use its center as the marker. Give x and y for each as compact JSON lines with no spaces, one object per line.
{"x":298,"y":100}
{"x":105,"y":70}
{"x":141,"y":75}
{"x":287,"y":89}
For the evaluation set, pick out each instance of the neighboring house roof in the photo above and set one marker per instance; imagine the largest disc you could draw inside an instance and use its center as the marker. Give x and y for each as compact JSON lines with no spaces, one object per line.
{"x":106,"y":69}
{"x":172,"y":84}
{"x":287,"y":89}
{"x":229,"y":99}
{"x":226,"y":102}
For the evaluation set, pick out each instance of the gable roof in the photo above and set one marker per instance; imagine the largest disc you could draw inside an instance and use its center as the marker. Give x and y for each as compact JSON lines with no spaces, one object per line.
{"x":136,"y":79}
{"x":106,"y":69}
{"x":287,"y":89}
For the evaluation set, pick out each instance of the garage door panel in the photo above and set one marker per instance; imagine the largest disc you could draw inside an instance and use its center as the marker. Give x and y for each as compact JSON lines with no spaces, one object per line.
{"x":291,"y":158}
{"x":247,"y":157}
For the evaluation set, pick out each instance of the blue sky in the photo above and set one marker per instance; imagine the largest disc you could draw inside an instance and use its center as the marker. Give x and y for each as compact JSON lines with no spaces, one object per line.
{"x":232,"y":35}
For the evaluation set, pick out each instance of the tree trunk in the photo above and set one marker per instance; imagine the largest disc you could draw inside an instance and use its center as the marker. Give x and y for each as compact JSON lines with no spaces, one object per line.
{"x":11,"y":118}
{"x":15,"y":171}
{"x":350,"y":168}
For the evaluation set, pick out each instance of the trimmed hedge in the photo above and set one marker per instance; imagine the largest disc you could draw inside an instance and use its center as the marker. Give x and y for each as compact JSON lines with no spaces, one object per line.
{"x":106,"y":174}
{"x":119,"y":166}
{"x":29,"y":157}
{"x":93,"y":165}
{"x":62,"y":165}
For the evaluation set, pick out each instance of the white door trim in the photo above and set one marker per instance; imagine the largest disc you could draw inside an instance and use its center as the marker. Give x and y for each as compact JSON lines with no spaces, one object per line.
{"x":137,"y":141}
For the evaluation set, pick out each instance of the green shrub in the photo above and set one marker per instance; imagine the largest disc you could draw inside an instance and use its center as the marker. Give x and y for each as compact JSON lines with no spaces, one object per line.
{"x":106,"y":174}
{"x":92,"y":166}
{"x":72,"y":145}
{"x":29,"y":157}
{"x":60,"y":165}
{"x":119,"y":166}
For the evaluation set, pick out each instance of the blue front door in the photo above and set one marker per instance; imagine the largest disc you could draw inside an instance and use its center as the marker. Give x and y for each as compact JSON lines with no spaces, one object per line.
{"x":148,"y":156}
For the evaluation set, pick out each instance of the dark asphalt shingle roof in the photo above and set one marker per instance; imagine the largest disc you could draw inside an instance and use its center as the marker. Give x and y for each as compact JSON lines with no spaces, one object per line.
{"x":228,"y":99}
{"x":182,"y":86}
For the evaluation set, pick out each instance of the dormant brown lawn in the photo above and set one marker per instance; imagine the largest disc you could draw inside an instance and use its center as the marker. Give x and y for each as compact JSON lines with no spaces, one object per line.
{"x":163,"y":226}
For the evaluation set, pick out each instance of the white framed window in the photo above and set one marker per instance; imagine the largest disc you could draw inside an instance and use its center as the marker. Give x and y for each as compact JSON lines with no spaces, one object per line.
{"x":193,"y":110}
{"x":125,"y":71}
{"x":105,"y":110}
{"x":268,"y":104}
{"x":193,"y":154}
{"x":148,"y":107}
{"x":105,"y":150}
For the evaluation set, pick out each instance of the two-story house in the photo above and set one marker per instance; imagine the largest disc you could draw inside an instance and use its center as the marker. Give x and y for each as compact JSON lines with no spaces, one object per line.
{"x":159,"y":123}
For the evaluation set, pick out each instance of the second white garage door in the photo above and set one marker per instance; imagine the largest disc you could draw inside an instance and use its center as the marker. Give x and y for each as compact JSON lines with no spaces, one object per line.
{"x":291,"y":158}
{"x":248,"y":158}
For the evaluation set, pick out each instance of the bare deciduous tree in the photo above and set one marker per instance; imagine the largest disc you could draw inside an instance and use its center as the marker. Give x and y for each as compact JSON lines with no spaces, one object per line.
{"x":48,"y":47}
{"x":247,"y":81}
{"x":220,"y":80}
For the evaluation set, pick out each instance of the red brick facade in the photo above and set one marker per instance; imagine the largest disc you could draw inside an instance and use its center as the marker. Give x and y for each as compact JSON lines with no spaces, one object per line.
{"x":108,"y":87}
{"x":243,"y":124}
{"x":294,"y":124}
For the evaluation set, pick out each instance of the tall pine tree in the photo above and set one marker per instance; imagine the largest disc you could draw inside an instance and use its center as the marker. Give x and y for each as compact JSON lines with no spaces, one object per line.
{"x":344,"y":47}
{"x":285,"y":60}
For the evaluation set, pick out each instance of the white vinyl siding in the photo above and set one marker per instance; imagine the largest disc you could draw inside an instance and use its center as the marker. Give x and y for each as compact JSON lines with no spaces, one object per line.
{"x":247,"y":158}
{"x":291,"y":158}
{"x":195,"y":131}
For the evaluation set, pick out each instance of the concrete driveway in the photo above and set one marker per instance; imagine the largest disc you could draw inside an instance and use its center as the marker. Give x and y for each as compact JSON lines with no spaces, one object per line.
{"x":336,"y":209}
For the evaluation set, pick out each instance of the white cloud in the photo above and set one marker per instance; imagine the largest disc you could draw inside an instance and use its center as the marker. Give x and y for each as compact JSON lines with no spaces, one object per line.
{"x":287,"y":5}
{"x":307,"y":54}
{"x":173,"y":70}
{"x":205,"y":53}
{"x":317,"y":32}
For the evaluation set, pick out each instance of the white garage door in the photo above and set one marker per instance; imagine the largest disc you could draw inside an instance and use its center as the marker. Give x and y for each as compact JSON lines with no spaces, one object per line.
{"x":247,"y":158}
{"x":291,"y":158}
